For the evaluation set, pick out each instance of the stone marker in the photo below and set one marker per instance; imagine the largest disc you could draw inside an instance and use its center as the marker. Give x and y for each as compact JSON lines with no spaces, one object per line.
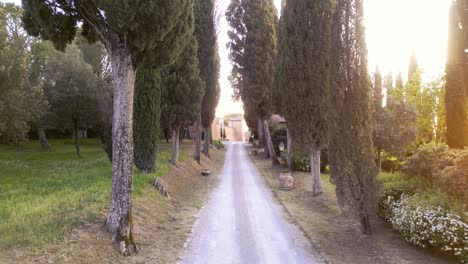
{"x":206,"y":172}
{"x":286,"y":181}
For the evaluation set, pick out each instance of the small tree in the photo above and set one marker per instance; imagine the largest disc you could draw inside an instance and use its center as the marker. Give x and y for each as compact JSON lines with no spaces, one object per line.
{"x":182,"y":93}
{"x":73,"y":87}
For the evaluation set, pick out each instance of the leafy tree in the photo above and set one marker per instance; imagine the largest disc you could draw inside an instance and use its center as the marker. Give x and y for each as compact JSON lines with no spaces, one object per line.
{"x":394,"y":128}
{"x":73,"y":86}
{"x":305,"y":76}
{"x":456,"y":97}
{"x":208,"y":57}
{"x":129,"y":32}
{"x":42,"y":56}
{"x":252,"y":51}
{"x":182,"y":93}
{"x":96,"y":55}
{"x":350,"y":146}
{"x":15,"y":91}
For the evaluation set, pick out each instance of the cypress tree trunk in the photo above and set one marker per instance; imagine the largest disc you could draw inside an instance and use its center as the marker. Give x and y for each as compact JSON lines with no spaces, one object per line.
{"x":315,"y":171}
{"x":147,"y":115}
{"x":207,"y":142}
{"x":119,"y":219}
{"x":175,"y":145}
{"x":196,"y":155}
{"x":289,"y":148}
{"x":269,"y":144}
{"x":379,"y":160}
{"x":76,"y":133}
{"x":260,"y":133}
{"x":42,"y":138}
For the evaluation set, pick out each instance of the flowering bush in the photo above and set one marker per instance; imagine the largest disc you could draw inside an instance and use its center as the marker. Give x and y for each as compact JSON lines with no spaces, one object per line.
{"x":426,"y":226}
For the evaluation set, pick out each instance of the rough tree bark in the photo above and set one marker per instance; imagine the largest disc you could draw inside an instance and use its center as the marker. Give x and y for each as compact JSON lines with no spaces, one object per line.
{"x":289,"y":148}
{"x":315,"y":171}
{"x":196,"y":155}
{"x":207,"y":142}
{"x":260,"y":133}
{"x":175,"y":145}
{"x":379,"y":160}
{"x":119,"y":219}
{"x":42,"y":138}
{"x":76,"y":134}
{"x":269,"y":144}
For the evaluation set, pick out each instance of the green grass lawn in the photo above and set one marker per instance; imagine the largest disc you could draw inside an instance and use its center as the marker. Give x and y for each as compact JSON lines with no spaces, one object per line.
{"x":44,"y":194}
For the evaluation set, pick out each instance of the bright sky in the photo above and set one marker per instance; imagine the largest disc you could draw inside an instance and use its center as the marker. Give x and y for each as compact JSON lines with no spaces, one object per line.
{"x":393,"y":29}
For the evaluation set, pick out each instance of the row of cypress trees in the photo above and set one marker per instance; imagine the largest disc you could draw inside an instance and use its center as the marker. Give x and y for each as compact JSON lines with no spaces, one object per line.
{"x":315,"y":74}
{"x":142,"y":38}
{"x":183,"y":93}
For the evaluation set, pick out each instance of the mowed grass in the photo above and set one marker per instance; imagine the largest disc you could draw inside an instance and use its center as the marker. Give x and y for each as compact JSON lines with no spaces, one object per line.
{"x":45,"y":194}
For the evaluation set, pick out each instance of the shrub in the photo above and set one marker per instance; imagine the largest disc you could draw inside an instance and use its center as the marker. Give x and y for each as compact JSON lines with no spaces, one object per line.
{"x":429,"y":159}
{"x":218,"y":144}
{"x":300,"y":161}
{"x":390,"y":165}
{"x":426,"y":226}
{"x":454,"y":179}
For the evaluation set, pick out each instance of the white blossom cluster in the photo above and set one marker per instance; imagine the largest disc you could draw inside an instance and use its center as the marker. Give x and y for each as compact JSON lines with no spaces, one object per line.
{"x":429,"y":226}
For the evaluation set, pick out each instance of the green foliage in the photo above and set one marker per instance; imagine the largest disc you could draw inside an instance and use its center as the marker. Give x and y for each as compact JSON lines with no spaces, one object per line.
{"x":182,"y":88}
{"x":428,"y":160}
{"x":394,"y":127}
{"x":150,"y":30}
{"x":72,"y":88}
{"x":218,"y":144}
{"x":304,"y":78}
{"x":446,"y":169}
{"x":252,"y":48}
{"x":16,"y":94}
{"x":208,"y":57}
{"x":350,"y":148}
{"x":147,"y":115}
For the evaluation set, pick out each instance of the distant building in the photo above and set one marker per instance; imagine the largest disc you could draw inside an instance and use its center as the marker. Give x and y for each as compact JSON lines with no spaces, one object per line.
{"x":235,"y":130}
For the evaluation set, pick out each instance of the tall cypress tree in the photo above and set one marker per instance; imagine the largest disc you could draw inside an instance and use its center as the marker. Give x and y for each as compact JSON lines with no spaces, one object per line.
{"x":182,"y":93}
{"x":305,"y":76}
{"x":252,"y":50}
{"x":377,"y":98}
{"x":456,"y":96}
{"x":350,"y":147}
{"x":130,"y":31}
{"x":147,"y":115}
{"x":388,"y":87}
{"x":413,"y":65}
{"x":208,"y":57}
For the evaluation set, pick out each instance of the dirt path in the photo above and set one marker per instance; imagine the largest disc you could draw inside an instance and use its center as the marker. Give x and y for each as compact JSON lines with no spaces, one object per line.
{"x":242,"y":223}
